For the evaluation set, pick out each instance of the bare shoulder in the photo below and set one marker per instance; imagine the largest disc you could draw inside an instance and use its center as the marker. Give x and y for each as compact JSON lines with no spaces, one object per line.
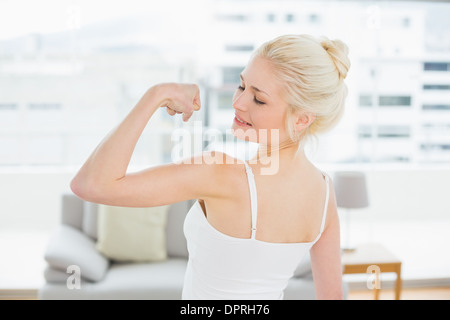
{"x":324,"y":189}
{"x":213,"y":171}
{"x":225,"y":170}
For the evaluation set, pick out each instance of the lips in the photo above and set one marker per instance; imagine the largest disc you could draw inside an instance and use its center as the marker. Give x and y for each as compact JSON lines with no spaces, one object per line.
{"x":241,"y":122}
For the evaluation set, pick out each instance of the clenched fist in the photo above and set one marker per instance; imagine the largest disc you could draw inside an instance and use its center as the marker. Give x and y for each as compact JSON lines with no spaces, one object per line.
{"x":180,"y":98}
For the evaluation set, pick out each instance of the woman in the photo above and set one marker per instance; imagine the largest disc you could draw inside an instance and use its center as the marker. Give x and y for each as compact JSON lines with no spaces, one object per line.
{"x":248,"y":230}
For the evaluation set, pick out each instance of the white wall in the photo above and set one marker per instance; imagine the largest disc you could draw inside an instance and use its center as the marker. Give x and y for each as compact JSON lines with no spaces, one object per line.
{"x":31,"y":201}
{"x":409,"y":194}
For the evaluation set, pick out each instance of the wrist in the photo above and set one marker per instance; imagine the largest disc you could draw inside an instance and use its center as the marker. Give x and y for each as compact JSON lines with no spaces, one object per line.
{"x":158,"y":94}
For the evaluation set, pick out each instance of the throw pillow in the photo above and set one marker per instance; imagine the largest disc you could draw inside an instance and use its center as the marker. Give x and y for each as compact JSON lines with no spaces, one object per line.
{"x":132,"y":234}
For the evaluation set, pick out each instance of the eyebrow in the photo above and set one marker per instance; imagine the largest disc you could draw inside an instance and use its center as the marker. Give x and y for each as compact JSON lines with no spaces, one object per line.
{"x":255,"y":88}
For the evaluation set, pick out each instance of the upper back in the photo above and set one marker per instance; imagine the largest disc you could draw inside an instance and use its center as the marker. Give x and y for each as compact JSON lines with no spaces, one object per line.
{"x":290,"y":203}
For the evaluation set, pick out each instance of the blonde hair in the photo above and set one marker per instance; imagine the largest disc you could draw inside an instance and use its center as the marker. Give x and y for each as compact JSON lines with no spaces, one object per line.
{"x":312,"y":72}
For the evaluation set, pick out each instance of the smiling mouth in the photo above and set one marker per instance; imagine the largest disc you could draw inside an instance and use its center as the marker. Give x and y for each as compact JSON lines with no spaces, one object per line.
{"x":239,"y":121}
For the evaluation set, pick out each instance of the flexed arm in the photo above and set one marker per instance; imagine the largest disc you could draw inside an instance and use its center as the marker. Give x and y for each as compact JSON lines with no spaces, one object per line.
{"x":103,"y":178}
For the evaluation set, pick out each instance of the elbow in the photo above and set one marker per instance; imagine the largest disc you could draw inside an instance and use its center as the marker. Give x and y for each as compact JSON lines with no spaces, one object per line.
{"x":78,"y":187}
{"x":84,"y":189}
{"x":93,"y":190}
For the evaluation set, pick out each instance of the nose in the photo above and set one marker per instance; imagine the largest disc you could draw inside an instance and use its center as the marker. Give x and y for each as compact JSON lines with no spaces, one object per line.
{"x":238,"y":101}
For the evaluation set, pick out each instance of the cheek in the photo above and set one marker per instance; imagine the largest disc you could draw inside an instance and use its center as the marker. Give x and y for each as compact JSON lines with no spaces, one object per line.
{"x":269,"y":120}
{"x":269,"y":128}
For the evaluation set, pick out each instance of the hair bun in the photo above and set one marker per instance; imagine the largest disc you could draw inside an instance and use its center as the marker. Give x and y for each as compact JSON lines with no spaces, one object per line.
{"x":338,"y":52}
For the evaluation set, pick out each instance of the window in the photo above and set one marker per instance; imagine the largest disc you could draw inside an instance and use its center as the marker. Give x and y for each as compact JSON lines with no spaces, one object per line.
{"x":240,"y":47}
{"x":60,"y":83}
{"x":406,"y":22}
{"x":314,"y":18}
{"x":442,"y":127}
{"x":436,"y":66}
{"x":225,"y":100}
{"x":232,"y":17}
{"x":290,"y":18}
{"x":436,"y":87}
{"x":365,"y":132}
{"x":8,"y":106}
{"x":436,"y":107}
{"x":388,"y":101}
{"x":365,"y":100}
{"x":10,"y":150}
{"x":44,"y":114}
{"x":44,"y":106}
{"x":231,"y":75}
{"x":394,"y":132}
{"x":435,"y":147}
{"x":9,"y":116}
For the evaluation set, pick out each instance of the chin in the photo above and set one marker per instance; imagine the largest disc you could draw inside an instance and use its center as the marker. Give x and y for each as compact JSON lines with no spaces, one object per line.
{"x":260,"y":136}
{"x":245,"y":134}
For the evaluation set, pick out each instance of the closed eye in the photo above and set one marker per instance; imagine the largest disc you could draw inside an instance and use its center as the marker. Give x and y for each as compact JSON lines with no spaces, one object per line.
{"x":241,"y":88}
{"x":257,"y":101}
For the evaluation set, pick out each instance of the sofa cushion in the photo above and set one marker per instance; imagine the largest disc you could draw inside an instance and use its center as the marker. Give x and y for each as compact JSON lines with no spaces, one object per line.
{"x":72,"y":211}
{"x":156,"y":280}
{"x":69,"y":246}
{"x":300,"y":289}
{"x":127,"y":281}
{"x":132,"y":234}
{"x":55,"y":275}
{"x":90,"y":219}
{"x":176,"y":241}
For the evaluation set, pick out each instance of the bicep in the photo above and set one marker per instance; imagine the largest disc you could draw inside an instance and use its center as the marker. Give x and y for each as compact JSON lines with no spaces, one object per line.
{"x":326,"y":257}
{"x":160,"y":185}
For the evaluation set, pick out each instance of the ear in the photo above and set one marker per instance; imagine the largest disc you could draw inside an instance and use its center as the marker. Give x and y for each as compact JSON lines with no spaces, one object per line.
{"x":303,"y":120}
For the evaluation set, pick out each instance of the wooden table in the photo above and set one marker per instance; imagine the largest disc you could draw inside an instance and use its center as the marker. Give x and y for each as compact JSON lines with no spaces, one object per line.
{"x":373,"y":259}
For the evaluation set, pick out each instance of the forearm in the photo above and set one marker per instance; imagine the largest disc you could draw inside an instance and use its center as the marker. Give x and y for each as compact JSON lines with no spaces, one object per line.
{"x":109,"y":161}
{"x":104,"y":177}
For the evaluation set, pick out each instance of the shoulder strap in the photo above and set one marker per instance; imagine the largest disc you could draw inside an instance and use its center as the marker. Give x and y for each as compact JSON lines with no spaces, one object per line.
{"x":325,"y":209}
{"x":253,"y":197}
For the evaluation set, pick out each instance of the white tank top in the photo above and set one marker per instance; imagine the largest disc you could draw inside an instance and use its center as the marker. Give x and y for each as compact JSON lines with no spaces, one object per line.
{"x":227,"y":268}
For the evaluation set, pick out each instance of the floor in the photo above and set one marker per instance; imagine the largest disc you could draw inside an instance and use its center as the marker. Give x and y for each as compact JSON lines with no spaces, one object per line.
{"x":437,"y":293}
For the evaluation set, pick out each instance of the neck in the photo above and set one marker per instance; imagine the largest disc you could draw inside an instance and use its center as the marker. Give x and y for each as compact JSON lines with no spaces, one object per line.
{"x":286,"y":148}
{"x":271,"y":158}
